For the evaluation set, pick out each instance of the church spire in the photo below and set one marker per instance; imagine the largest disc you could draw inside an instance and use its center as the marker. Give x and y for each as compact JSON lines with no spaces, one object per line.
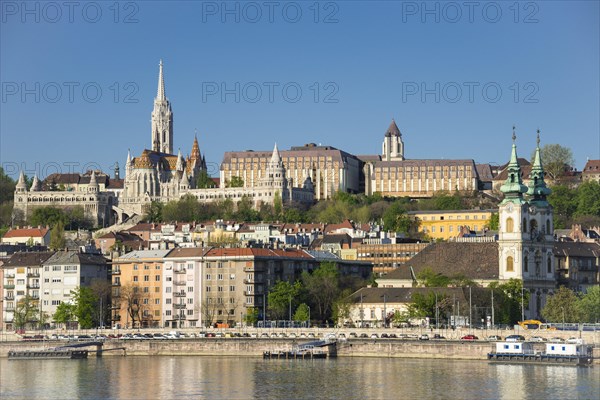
{"x":160,"y":93}
{"x":537,"y":186}
{"x":162,"y":118}
{"x":275,"y":157}
{"x":513,"y":187}
{"x":21,"y":184}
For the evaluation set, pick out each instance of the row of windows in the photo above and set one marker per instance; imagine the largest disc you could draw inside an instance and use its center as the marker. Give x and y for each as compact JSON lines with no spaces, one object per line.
{"x":533,"y":227}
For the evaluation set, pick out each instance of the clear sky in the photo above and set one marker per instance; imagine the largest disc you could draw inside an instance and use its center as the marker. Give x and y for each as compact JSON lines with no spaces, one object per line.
{"x":455,"y":76}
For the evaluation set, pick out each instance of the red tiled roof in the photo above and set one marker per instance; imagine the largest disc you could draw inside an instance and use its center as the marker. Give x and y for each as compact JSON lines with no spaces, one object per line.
{"x":592,"y":166}
{"x":26,"y":232}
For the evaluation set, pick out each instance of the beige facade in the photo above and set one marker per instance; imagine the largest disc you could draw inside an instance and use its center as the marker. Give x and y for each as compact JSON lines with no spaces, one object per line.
{"x":446,"y":225}
{"x":388,"y":256}
{"x":328,"y":168}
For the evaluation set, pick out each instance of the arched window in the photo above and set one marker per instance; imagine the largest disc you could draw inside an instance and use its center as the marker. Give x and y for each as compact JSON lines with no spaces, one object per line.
{"x":509,"y":264}
{"x":549,"y":263}
{"x":525,"y":263}
{"x":532,"y":225}
{"x":548,"y":230}
{"x":524,"y":226}
{"x":509,"y":225}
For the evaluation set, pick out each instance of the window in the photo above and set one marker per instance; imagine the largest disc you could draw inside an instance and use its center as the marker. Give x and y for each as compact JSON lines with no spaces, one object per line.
{"x":56,"y":268}
{"x":441,"y":229}
{"x":135,"y":267}
{"x":46,"y":268}
{"x":157,"y":313}
{"x":549,"y":264}
{"x":232,"y":288}
{"x":509,"y":264}
{"x":190,"y":312}
{"x":145,"y":301}
{"x":208,"y":265}
{"x":70,"y":268}
{"x":548,"y":227}
{"x":167,"y":301}
{"x":146,"y":289}
{"x":208,"y":277}
{"x":157,"y":278}
{"x":157,"y":289}
{"x":231,"y":276}
{"x":433,"y":229}
{"x":208,"y":288}
{"x":510,"y":225}
{"x":169,"y":278}
{"x":146,"y":278}
{"x":56,"y":280}
{"x":451,"y":228}
{"x":135,"y":279}
{"x":168,"y":289}
{"x":525,"y":264}
{"x":190,"y":301}
{"x":220,"y":289}
{"x":146,"y":267}
{"x":220,"y":277}
{"x":157,"y":266}
{"x":190,"y":266}
{"x":168,"y":313}
{"x":157,"y":301}
{"x":524,"y":226}
{"x":56,"y":302}
{"x":190,"y":289}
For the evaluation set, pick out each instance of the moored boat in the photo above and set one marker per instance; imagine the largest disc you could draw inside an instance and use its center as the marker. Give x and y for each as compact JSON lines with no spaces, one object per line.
{"x":577,"y":354}
{"x":47,"y":354}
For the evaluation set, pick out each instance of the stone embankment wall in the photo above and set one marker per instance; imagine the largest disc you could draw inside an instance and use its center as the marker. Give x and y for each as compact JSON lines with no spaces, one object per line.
{"x":255,"y":347}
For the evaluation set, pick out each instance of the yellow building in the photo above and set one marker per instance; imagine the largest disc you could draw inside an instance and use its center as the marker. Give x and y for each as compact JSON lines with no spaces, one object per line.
{"x":137,"y":289}
{"x":448,"y":224}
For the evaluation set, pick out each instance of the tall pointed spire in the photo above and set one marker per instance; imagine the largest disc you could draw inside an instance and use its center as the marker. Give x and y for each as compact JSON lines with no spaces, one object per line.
{"x":537,"y":186}
{"x":160,"y":93}
{"x":275,"y":157}
{"x":21,"y":184}
{"x":393,"y":129}
{"x":513,"y":187}
{"x":162,"y":118}
{"x":35,"y":185}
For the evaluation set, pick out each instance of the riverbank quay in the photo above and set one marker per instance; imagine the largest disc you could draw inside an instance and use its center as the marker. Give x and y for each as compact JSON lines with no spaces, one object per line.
{"x":255,"y":347}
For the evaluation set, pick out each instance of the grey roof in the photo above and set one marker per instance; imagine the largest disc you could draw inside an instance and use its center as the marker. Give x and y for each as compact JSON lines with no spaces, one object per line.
{"x":28,"y":259}
{"x":472,"y":260}
{"x":322,"y":255}
{"x":75,"y":257}
{"x":576,"y":249}
{"x":306,"y":151}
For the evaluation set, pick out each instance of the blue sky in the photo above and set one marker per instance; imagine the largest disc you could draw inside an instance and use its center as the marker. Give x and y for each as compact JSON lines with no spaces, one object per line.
{"x":455,"y":79}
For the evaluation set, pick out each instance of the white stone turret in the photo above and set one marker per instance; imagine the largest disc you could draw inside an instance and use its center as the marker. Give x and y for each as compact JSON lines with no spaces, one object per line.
{"x":93,"y":185}
{"x":179,"y":166}
{"x":21,"y":184}
{"x":36,"y":185}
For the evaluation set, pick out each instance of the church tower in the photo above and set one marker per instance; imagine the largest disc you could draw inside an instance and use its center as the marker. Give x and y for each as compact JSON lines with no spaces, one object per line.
{"x":392,"y":148}
{"x":162,"y":118}
{"x":526,"y":238}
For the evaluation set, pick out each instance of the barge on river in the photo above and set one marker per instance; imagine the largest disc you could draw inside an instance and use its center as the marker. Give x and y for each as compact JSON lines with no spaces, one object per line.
{"x":305,"y":351}
{"x":576,"y":354}
{"x":47,"y":354}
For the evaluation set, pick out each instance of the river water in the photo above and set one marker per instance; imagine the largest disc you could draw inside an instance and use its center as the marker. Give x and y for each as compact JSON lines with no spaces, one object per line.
{"x":207,"y":377}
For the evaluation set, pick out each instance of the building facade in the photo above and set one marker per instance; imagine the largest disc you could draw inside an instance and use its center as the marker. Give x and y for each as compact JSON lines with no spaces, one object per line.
{"x":448,"y":224}
{"x":391,"y":174}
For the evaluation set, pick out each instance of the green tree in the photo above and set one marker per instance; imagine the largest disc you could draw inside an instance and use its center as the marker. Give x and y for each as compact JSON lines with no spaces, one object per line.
{"x":396,"y":219}
{"x":57,"y":237}
{"x":65,"y":313}
{"x":85,"y":307}
{"x":7,"y":187}
{"x":234,"y":182}
{"x":277,"y":205}
{"x":589,"y":305}
{"x":562,"y":306}
{"x":153,"y":212}
{"x":245,"y":210}
{"x":204,"y":181}
{"x":555,"y":158}
{"x":428,"y":278}
{"x":588,"y":199}
{"x":48,"y":215}
{"x":494,"y":222}
{"x":323,"y":288}
{"x":302,"y":313}
{"x":26,"y":312}
{"x":282,"y":297}
{"x":251,"y":317}
{"x":507,"y":301}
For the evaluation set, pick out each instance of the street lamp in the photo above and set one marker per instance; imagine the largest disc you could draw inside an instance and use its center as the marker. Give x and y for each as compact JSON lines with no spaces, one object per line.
{"x":384,"y":311}
{"x":522,"y":302}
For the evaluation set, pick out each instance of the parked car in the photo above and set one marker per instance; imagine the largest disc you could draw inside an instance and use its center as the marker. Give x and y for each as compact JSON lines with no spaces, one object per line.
{"x":515,"y":338}
{"x":353,"y":335}
{"x":374,"y":336}
{"x":424,"y":337}
{"x":575,"y":340}
{"x":494,"y":338}
{"x":469,"y":337}
{"x":384,"y":336}
{"x":537,"y":339}
{"x":557,"y":340}
{"x":437,"y":336}
{"x":364,"y":336}
{"x":393,"y":336}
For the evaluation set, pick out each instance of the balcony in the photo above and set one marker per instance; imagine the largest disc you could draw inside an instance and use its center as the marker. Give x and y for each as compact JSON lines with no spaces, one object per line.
{"x":179,"y":283}
{"x":116,"y":272}
{"x":179,"y":294}
{"x":116,"y":283}
{"x":247,"y":293}
{"x":33,"y":274}
{"x":9,"y":286}
{"x":180,"y":271}
{"x":179,"y":305}
{"x":9,"y":309}
{"x":9,"y":298}
{"x":9,"y":276}
{"x":33,"y":286}
{"x":35,"y":296}
{"x":249,"y":280}
{"x":249,"y":269}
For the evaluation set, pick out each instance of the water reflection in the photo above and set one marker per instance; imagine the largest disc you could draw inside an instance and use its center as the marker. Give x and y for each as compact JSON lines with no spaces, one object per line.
{"x":240,"y":378}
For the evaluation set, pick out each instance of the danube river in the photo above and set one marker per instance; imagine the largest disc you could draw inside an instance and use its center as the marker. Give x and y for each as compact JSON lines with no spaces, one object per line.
{"x":192,"y":377}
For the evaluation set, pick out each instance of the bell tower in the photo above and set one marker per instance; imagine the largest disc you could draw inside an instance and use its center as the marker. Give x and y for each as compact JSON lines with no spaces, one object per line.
{"x":162,"y":118}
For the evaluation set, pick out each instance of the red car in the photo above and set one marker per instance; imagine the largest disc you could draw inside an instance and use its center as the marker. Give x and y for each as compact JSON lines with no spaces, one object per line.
{"x":469,"y":337}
